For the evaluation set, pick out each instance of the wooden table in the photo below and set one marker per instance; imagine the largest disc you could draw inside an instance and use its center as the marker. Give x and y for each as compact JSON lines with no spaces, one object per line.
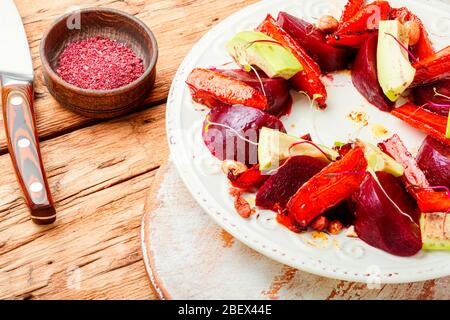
{"x":99,"y":171}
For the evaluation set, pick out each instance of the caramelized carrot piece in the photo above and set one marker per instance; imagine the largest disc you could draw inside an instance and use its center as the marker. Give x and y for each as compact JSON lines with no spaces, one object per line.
{"x":432,"y":124}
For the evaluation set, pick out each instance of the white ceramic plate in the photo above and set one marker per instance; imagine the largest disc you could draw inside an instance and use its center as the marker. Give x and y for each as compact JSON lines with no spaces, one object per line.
{"x":338,"y":257}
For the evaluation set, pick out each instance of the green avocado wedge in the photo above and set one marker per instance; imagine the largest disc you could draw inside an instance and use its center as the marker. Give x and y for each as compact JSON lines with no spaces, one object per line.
{"x":395,"y":72}
{"x":275,"y":146}
{"x":435,"y":228}
{"x":380,"y":161}
{"x":252,"y":48}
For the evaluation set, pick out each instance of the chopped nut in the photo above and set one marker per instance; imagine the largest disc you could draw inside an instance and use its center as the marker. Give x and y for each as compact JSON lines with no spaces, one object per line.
{"x":413,"y":28}
{"x":335,"y":227}
{"x":327,"y":24}
{"x":233,"y":166}
{"x":320,"y":223}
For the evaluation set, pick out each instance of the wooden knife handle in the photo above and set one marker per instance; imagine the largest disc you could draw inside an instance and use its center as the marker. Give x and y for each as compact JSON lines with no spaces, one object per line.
{"x":23,"y":145}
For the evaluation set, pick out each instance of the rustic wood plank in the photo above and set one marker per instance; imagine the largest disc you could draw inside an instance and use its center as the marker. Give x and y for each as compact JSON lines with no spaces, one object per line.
{"x":176,"y":24}
{"x":98,"y":176}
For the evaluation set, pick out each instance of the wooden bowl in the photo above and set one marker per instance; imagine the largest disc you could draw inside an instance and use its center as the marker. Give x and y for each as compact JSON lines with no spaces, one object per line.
{"x":108,"y":23}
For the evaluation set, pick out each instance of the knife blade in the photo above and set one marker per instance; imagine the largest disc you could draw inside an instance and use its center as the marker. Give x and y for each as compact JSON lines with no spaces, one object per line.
{"x":16,"y":75}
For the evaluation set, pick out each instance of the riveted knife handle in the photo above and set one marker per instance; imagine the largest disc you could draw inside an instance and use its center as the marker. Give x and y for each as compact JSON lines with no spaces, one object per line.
{"x":23,"y":146}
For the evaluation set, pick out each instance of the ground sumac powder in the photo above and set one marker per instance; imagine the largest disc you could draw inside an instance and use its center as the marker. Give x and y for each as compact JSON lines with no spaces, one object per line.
{"x":99,"y":63}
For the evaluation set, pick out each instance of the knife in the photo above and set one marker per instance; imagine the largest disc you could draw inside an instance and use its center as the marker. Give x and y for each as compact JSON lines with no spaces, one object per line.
{"x":16,"y":75}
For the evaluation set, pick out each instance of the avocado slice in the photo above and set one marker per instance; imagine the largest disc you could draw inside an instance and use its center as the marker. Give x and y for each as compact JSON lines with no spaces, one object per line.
{"x":380,"y":161}
{"x":435,"y":229}
{"x":273,"y":148}
{"x":395,"y":72}
{"x":272,"y":58}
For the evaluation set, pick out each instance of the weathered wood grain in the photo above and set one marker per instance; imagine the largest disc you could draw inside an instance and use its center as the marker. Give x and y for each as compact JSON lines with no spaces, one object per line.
{"x":98,"y":171}
{"x":98,"y":176}
{"x":177,"y":26}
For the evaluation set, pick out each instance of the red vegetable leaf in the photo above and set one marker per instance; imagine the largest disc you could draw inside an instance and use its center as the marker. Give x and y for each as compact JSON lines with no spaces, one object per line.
{"x":308,"y":79}
{"x":424,"y":120}
{"x":328,"y":188}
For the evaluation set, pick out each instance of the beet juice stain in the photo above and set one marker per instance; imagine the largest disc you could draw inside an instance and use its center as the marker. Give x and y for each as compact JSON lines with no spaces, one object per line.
{"x":99,"y":63}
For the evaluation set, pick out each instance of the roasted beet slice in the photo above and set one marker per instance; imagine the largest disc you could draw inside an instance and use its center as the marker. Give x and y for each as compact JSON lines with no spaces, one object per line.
{"x":412,"y":176}
{"x":226,"y":127}
{"x":275,"y":89}
{"x":434,"y":160}
{"x":365,"y":77}
{"x":382,"y":223}
{"x":313,"y":40}
{"x":394,"y":188}
{"x":426,"y":96}
{"x":281,"y":186}
{"x":214,"y":89}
